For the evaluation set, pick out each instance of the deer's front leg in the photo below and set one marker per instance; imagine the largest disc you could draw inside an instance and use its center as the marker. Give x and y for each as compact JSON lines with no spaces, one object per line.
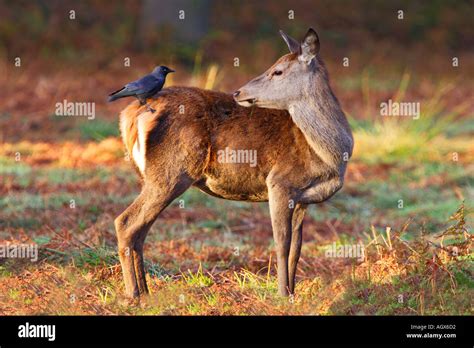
{"x":281,"y":215}
{"x":296,"y":241}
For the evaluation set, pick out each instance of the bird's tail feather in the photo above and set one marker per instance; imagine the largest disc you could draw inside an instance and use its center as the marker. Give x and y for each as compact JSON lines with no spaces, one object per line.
{"x":122,"y":92}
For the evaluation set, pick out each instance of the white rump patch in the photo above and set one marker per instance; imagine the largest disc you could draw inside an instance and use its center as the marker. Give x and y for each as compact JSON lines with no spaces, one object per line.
{"x":139,"y":147}
{"x":139,"y":157}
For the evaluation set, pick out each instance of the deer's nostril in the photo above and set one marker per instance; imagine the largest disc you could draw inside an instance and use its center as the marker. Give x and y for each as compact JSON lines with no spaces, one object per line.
{"x":236,"y":93}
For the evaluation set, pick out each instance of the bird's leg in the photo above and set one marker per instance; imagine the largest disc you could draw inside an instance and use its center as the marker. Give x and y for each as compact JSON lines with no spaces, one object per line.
{"x":148,"y":107}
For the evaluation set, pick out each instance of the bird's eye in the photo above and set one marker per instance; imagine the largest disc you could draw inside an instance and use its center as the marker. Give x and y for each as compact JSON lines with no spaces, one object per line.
{"x":277,"y":72}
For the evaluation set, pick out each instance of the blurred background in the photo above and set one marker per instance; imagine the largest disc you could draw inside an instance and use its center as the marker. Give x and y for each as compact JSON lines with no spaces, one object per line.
{"x":63,"y":180}
{"x":83,"y":58}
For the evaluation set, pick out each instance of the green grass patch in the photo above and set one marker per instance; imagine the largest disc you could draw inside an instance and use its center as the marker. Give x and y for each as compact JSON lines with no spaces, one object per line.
{"x":94,"y":257}
{"x":24,"y":175}
{"x":98,"y":130}
{"x":198,"y":279}
{"x":8,"y":166}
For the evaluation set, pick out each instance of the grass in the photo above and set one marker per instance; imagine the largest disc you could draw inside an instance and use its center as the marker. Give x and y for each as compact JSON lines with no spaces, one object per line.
{"x":426,"y":139}
{"x":421,"y":276}
{"x":206,"y":256}
{"x":198,"y":279}
{"x":98,"y":130}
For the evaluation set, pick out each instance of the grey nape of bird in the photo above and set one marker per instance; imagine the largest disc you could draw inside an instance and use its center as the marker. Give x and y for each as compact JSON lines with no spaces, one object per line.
{"x":145,"y":87}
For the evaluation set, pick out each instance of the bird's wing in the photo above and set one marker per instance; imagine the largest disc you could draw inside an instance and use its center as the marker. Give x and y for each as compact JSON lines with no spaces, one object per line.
{"x":143,"y":85}
{"x":133,"y":86}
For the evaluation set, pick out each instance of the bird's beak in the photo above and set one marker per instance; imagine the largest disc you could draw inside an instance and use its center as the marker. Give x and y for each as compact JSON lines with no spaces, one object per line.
{"x":171,"y":70}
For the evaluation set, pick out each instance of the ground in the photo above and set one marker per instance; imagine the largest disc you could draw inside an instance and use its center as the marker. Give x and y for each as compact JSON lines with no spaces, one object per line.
{"x":61,"y":187}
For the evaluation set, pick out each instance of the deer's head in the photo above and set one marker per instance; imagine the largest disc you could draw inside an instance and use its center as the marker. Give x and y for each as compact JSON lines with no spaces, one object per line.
{"x":289,"y":79}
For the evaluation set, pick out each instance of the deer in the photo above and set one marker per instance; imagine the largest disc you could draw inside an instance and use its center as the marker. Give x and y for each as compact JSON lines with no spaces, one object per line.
{"x":289,"y":115}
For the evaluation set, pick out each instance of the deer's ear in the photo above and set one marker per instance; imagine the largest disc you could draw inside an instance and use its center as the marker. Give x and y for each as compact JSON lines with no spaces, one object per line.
{"x":293,"y":45}
{"x":309,"y":46}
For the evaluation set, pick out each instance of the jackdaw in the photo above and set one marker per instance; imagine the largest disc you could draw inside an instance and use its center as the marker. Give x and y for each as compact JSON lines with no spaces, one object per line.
{"x":145,"y":87}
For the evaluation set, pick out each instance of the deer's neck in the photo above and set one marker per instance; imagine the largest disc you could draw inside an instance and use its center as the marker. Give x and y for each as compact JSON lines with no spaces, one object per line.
{"x":319,"y":116}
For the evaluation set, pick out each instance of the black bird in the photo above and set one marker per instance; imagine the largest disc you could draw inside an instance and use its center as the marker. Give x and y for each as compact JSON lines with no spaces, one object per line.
{"x":145,"y":87}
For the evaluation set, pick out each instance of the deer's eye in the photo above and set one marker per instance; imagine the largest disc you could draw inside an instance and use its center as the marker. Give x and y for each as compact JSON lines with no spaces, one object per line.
{"x":277,"y":72}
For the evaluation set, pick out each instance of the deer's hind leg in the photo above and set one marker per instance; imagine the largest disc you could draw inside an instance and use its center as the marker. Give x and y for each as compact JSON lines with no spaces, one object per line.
{"x":134,"y":223}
